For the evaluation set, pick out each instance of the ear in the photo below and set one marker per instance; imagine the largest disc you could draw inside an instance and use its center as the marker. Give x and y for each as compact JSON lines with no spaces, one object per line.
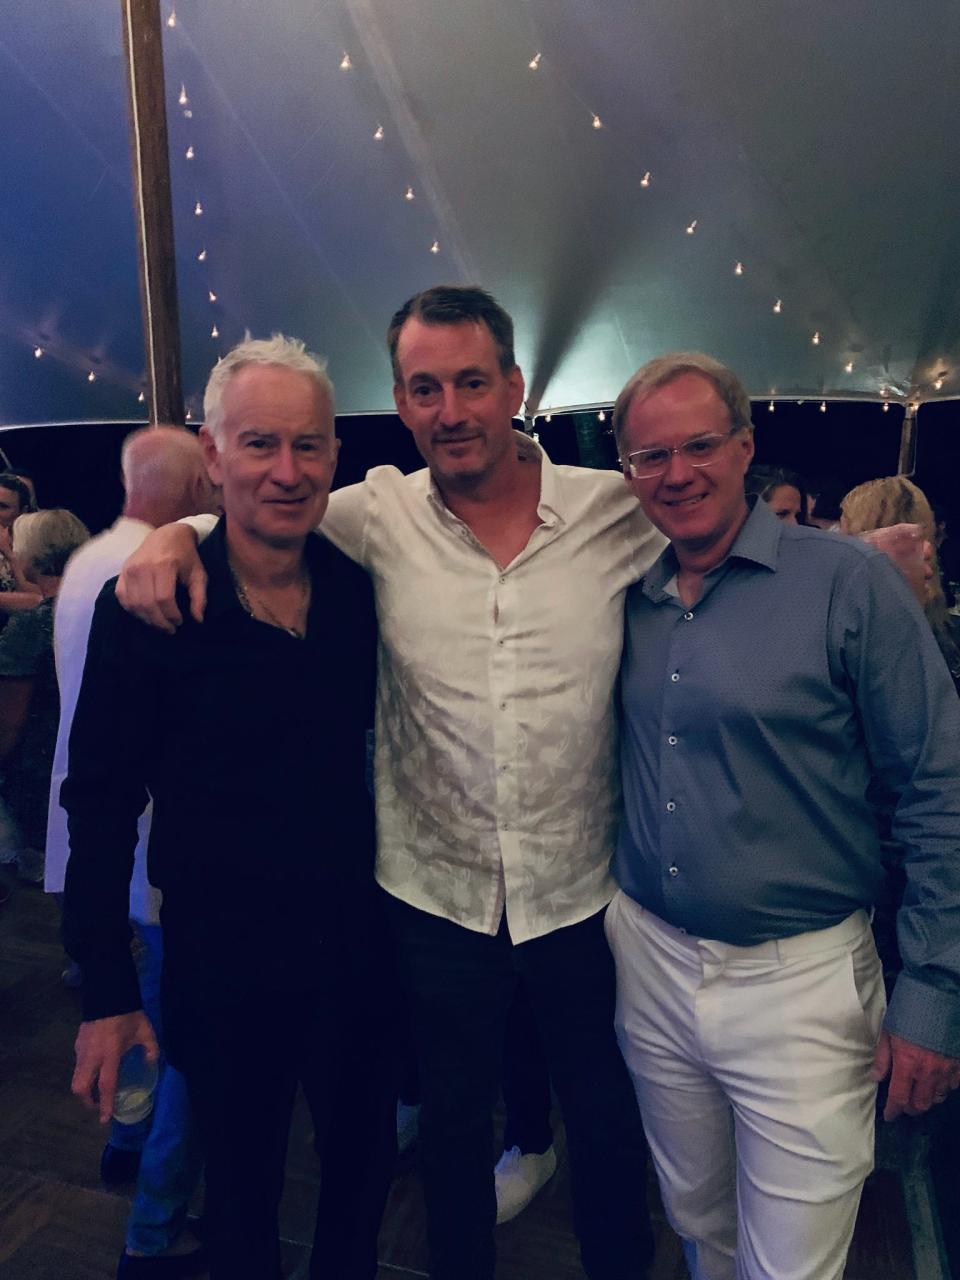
{"x":211,"y":456}
{"x":517,"y":390}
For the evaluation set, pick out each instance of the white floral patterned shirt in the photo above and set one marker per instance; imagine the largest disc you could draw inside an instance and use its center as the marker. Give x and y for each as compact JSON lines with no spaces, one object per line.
{"x":496,"y":755}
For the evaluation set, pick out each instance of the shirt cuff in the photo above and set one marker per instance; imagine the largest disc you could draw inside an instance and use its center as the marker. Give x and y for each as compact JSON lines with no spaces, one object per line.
{"x":109,"y":987}
{"x":925,"y":1015}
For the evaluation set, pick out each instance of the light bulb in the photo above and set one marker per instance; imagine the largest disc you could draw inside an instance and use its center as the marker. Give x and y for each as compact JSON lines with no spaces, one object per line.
{"x":548,"y":418}
{"x":408,"y":194}
{"x":691,"y":227}
{"x":601,"y":416}
{"x":189,"y":153}
{"x":345,"y":63}
{"x":886,"y":406}
{"x":189,"y":414}
{"x":823,"y":406}
{"x":378,"y":133}
{"x":37,"y":352}
{"x":183,"y":99}
{"x":938,"y":384}
{"x":188,"y":114}
{"x":848,"y":367}
{"x":211,"y":296}
{"x":172,"y":20}
{"x":738,"y":269}
{"x":141,"y":398}
{"x":816,"y":338}
{"x":770,"y":407}
{"x":214,"y":332}
{"x":534,"y":63}
{"x":198,"y":209}
{"x":777,"y":307}
{"x":646,"y":179}
{"x":435,"y":247}
{"x":597,"y":122}
{"x":91,"y":376}
{"x":202,"y":255}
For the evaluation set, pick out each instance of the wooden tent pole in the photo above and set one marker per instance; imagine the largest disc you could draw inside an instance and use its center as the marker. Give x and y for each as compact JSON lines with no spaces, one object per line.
{"x":143,"y":48}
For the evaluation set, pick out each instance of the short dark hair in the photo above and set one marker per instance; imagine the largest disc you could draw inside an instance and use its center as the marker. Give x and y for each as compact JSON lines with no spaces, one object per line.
{"x":455,"y":304}
{"x":9,"y":481}
{"x":763,"y":480}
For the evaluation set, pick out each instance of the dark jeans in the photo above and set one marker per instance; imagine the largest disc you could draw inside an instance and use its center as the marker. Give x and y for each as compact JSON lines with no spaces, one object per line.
{"x":526,"y":1080}
{"x":242,"y":1065}
{"x":461,"y":985}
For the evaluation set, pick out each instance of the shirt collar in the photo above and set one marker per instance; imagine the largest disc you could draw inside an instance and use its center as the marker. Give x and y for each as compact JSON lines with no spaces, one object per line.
{"x":758,"y":541}
{"x":548,"y":508}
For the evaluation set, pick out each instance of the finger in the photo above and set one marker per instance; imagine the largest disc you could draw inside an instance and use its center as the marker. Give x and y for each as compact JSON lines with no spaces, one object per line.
{"x":165,"y":584}
{"x":81,"y":1086}
{"x":146,"y":1037}
{"x":901,"y":1086}
{"x":107,"y":1088}
{"x":197,"y":588}
{"x":882,"y":1058}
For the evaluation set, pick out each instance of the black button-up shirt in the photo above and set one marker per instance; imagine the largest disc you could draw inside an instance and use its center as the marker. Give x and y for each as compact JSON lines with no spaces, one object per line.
{"x":252,"y":745}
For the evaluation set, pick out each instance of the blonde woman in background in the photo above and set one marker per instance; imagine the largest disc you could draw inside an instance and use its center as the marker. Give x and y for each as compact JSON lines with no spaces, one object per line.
{"x":892,"y":501}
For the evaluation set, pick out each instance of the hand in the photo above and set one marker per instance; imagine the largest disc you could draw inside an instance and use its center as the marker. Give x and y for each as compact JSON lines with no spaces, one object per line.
{"x":148,"y":581}
{"x":100,"y":1046}
{"x":919,"y":1078}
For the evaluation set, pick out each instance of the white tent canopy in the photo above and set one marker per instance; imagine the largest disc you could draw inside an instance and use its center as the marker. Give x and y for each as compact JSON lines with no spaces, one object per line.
{"x":601,"y":168}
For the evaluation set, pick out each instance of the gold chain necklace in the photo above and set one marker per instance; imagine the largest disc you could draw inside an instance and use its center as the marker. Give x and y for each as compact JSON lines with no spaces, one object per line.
{"x":250,"y":598}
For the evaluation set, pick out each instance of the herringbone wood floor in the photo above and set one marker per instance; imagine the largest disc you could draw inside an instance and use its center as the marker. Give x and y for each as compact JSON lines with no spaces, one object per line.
{"x":58,"y":1223}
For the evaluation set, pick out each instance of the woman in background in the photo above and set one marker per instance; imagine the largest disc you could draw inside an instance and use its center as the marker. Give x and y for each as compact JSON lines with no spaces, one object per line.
{"x":782,"y":490}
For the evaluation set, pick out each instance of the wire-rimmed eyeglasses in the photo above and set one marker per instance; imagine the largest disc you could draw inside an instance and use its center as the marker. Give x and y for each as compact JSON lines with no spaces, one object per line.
{"x":700,"y":451}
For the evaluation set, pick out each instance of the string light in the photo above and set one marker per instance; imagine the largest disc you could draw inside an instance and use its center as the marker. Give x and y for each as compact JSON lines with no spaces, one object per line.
{"x":183,"y":99}
{"x":214,"y":332}
{"x":601,"y":416}
{"x":738,"y":269}
{"x":189,"y":414}
{"x":435,"y":247}
{"x":597,"y":122}
{"x":777,"y":307}
{"x":938,"y":384}
{"x":198,"y":209}
{"x":534,"y":63}
{"x":816,"y":338}
{"x":884,"y":391}
{"x":408,"y":194}
{"x":37,"y":352}
{"x":691,"y":227}
{"x":646,"y":179}
{"x":345,"y":63}
{"x":548,"y":418}
{"x":202,"y":255}
{"x":771,"y":407}
{"x":211,"y":296}
{"x":172,"y":20}
{"x":188,"y":114}
{"x":848,"y":367}
{"x":141,"y":398}
{"x":823,"y":406}
{"x":189,"y":153}
{"x":91,"y":376}
{"x":886,"y":406}
{"x":378,"y":133}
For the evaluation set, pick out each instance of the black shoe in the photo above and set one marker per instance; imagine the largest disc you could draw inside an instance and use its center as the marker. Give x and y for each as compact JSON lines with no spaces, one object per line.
{"x":179,"y":1266}
{"x":118,"y":1167}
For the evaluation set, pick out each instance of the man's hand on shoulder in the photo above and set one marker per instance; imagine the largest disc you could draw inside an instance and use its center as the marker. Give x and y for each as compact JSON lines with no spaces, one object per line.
{"x":147,"y":586}
{"x":100,"y":1046}
{"x":919,"y":1078}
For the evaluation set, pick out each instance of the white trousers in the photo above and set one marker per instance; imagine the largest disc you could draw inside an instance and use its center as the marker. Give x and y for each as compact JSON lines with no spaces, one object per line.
{"x":752,"y":1070}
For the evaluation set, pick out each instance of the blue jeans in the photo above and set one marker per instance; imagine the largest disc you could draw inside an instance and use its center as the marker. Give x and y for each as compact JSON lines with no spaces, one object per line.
{"x":171,"y":1161}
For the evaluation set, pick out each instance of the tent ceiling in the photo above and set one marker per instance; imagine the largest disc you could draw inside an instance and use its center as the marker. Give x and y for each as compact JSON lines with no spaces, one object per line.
{"x":814,"y":144}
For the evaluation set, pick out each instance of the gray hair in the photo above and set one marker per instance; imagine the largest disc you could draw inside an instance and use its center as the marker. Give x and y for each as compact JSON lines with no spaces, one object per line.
{"x":45,"y":540}
{"x":658,"y":372}
{"x":288,"y":353}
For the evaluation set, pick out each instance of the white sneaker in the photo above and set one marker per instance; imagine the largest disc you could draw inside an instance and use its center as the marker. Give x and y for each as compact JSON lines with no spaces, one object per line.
{"x":518,"y":1178}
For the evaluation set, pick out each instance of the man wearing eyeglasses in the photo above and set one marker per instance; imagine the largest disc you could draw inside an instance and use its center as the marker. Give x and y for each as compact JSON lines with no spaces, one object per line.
{"x":771,"y":675}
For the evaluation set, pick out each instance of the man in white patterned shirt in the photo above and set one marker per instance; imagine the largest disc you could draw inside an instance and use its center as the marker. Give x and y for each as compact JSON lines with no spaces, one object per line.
{"x":500,"y":581}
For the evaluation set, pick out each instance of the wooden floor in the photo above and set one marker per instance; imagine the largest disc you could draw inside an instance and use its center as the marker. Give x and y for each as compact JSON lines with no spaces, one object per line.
{"x":58,"y":1223}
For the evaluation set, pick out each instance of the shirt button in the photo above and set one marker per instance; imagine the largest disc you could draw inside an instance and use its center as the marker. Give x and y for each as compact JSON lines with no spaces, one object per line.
{"x":504,"y":768}
{"x":504,"y":826}
{"x":503,"y":577}
{"x":673,"y":739}
{"x":503,"y":706}
{"x":675,"y":677}
{"x":673,"y":870}
{"x":671,"y":805}
{"x":500,"y":642}
{"x":688,"y":616}
{"x":681,"y":929}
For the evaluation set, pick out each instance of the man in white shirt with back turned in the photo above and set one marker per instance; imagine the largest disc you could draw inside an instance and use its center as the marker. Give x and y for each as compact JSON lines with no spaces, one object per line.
{"x":500,"y":581}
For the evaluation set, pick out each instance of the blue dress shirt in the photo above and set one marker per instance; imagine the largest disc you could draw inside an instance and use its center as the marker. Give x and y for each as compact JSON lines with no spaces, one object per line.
{"x":753,"y":725}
